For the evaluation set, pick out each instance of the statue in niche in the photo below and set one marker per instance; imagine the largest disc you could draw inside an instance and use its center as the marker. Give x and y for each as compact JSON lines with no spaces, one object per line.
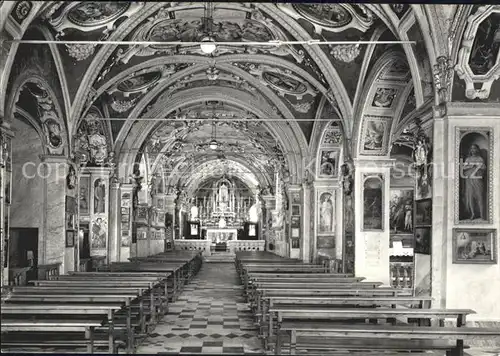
{"x":223,"y":193}
{"x":474,"y":168}
{"x":99,"y":196}
{"x":53,"y":133}
{"x":326,"y":213}
{"x":71,"y":178}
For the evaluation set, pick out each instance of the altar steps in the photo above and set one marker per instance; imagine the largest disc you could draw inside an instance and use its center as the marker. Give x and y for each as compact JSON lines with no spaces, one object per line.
{"x":220,"y":257}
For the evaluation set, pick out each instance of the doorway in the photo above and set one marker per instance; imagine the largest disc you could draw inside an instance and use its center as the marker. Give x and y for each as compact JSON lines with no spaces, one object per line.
{"x":23,"y":251}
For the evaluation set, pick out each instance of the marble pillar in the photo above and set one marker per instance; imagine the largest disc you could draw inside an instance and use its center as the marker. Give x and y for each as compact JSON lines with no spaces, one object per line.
{"x":372,"y":243}
{"x":126,"y":192}
{"x":52,"y":247}
{"x":99,"y":209}
{"x":114,"y":226}
{"x":306,"y":223}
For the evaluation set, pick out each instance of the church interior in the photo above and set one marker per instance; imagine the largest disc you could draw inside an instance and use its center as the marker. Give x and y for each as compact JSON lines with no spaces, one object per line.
{"x":250,"y":178}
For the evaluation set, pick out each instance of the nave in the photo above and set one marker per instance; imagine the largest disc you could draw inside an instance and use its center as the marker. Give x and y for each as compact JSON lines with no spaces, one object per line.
{"x":211,"y":316}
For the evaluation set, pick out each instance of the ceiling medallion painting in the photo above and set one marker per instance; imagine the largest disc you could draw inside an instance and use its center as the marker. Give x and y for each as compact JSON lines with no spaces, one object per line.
{"x":187,"y":26}
{"x":21,"y":11}
{"x":139,"y":83}
{"x":92,"y":13}
{"x":479,"y":58}
{"x":331,"y":17}
{"x":282,"y":81}
{"x":384,"y":97}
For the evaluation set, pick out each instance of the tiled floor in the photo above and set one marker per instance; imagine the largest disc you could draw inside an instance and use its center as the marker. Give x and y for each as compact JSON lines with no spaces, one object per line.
{"x":210,"y":317}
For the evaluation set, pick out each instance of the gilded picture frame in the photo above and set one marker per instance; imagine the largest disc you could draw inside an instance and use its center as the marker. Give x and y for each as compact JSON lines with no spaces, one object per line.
{"x":474,"y":246}
{"x":465,"y":198}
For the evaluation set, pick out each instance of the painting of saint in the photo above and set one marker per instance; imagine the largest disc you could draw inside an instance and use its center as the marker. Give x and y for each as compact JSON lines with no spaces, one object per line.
{"x":328,"y":163}
{"x":423,"y":240}
{"x":423,"y":182}
{"x":401,"y":211}
{"x":99,"y":233}
{"x":384,"y":97}
{"x":326,"y":213}
{"x":99,"y":196}
{"x":374,"y":135}
{"x":372,"y":203}
{"x":473,"y":173}
{"x":84,"y":195}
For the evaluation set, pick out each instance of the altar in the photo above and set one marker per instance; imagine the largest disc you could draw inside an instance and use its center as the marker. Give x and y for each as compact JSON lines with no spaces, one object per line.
{"x":221,"y":235}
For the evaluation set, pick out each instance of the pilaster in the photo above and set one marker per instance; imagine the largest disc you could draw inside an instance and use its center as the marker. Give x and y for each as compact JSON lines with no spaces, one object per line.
{"x":114,"y":228}
{"x":6,"y":136}
{"x":126,"y":192}
{"x":372,"y":231}
{"x":306,"y":223}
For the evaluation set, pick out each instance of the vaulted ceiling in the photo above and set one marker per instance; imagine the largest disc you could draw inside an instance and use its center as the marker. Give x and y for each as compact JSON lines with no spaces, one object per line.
{"x":164,"y":100}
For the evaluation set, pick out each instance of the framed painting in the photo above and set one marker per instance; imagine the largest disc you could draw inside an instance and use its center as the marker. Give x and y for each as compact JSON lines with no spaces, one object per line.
{"x":325,"y":242}
{"x":401,"y":211}
{"x":423,"y":212}
{"x":84,"y":196}
{"x":326,"y":216}
{"x":125,"y":200}
{"x":474,"y":246}
{"x":328,"y":163}
{"x":423,"y":240}
{"x":373,"y":198}
{"x":99,"y":196}
{"x":295,"y":243}
{"x":70,"y":238}
{"x":374,"y":135}
{"x":296,"y":210}
{"x":99,"y":232}
{"x":474,"y":172}
{"x":423,"y":182}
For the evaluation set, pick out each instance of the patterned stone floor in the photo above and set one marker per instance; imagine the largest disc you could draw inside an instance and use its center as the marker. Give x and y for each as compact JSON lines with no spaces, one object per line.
{"x":210,"y":317}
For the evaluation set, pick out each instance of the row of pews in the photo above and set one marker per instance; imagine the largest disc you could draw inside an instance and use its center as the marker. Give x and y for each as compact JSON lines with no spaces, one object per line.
{"x":95,"y":312}
{"x":299,"y":306}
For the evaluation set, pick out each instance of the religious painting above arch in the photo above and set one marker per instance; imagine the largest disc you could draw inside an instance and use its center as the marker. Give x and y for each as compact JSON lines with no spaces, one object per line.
{"x":328,"y":163}
{"x":479,"y":58}
{"x":331,"y":17}
{"x":474,"y":175}
{"x":375,"y":132}
{"x":373,"y":200}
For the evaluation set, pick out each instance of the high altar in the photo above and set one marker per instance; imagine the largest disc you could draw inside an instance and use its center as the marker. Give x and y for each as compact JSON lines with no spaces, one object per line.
{"x":223,"y":211}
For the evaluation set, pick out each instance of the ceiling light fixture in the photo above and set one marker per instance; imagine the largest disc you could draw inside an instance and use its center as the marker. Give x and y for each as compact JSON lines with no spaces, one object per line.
{"x":208,"y":45}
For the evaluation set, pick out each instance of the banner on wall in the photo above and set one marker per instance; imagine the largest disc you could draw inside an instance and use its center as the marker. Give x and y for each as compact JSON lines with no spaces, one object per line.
{"x":422,"y":274}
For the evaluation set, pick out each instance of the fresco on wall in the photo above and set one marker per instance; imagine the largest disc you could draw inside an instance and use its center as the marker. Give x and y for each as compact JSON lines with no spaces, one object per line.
{"x":473,"y":169}
{"x":84,"y":195}
{"x":423,"y":240}
{"x":401,"y":211}
{"x":384,"y":97}
{"x":374,"y":135}
{"x":373,"y":203}
{"x":99,"y":196}
{"x":99,"y":233}
{"x":326,"y":214}
{"x":486,"y":45}
{"x":328,"y":163}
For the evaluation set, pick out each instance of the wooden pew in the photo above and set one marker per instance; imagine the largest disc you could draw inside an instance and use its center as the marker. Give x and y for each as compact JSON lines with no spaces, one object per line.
{"x":334,"y":331}
{"x":85,"y":327}
{"x":103,"y":313}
